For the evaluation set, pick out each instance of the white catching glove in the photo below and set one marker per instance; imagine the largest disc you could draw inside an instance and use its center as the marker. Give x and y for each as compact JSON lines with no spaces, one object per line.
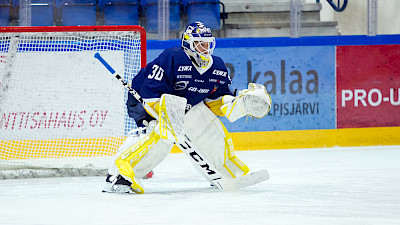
{"x":254,"y":101}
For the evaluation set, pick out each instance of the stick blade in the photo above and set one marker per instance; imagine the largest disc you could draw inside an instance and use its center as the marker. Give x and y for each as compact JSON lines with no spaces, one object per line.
{"x":247,"y":180}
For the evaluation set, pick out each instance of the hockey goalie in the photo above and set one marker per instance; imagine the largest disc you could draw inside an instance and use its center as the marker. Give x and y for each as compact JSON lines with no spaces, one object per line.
{"x":189,"y":85}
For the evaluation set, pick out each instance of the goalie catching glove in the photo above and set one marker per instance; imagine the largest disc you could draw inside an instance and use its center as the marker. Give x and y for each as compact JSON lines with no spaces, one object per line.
{"x":254,"y":101}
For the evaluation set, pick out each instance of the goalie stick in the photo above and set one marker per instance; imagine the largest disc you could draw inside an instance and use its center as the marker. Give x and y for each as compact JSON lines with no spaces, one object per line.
{"x":186,"y":146}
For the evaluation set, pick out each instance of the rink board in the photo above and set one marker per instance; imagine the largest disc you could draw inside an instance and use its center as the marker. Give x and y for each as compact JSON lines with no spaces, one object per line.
{"x":368,"y":90}
{"x":323,"y":95}
{"x":326,"y":91}
{"x":299,"y":79}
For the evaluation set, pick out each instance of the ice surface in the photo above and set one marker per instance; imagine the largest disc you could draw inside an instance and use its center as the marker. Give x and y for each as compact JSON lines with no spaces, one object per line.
{"x":349,"y":186}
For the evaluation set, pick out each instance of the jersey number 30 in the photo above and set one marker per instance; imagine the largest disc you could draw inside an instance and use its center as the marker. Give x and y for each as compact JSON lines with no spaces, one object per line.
{"x":157,"y":73}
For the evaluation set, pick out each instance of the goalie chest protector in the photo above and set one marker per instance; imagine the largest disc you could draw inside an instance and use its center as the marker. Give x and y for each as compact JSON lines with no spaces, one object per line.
{"x":174,"y":73}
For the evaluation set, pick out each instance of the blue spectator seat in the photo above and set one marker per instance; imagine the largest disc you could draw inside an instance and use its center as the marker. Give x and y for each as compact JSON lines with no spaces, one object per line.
{"x":42,"y":12}
{"x":206,"y":11}
{"x":77,"y":12}
{"x":5,"y":9}
{"x":151,"y":9}
{"x":120,"y":12}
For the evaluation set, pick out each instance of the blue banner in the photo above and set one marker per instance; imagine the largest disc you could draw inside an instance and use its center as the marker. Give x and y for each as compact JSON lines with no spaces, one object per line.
{"x":300,"y":80}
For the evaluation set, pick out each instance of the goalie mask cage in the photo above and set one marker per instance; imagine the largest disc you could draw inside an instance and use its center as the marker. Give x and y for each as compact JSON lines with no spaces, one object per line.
{"x":61,"y":113}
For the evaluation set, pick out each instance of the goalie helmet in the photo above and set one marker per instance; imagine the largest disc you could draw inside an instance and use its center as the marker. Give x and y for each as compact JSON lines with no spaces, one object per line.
{"x":199,"y":43}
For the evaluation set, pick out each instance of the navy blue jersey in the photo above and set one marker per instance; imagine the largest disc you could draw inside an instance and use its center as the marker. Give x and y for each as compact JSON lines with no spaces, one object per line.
{"x":174,"y":73}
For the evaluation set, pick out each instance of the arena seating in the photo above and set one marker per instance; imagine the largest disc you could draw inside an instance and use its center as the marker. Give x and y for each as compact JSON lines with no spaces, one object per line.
{"x":115,"y":12}
{"x":120,"y":12}
{"x":151,"y":9}
{"x":207,"y":11}
{"x":42,"y":12}
{"x":77,"y":12}
{"x":5,"y":9}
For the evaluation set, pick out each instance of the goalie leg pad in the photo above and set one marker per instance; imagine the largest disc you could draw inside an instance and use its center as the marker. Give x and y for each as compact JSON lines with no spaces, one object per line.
{"x":134,"y":136}
{"x":141,"y":158}
{"x":171,"y":114}
{"x":232,"y":163}
{"x":141,"y":153}
{"x":212,"y":139}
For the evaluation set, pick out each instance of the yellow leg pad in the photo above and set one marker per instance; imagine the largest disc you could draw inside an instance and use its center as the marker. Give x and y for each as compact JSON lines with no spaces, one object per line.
{"x":240,"y":164}
{"x":171,"y":127}
{"x":230,"y":155}
{"x":229,"y":170}
{"x":126,"y":171}
{"x":130,"y":157}
{"x":231,"y":162}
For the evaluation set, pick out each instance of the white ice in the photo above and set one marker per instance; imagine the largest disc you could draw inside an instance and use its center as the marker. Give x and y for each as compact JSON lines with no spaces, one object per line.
{"x":327,"y":186}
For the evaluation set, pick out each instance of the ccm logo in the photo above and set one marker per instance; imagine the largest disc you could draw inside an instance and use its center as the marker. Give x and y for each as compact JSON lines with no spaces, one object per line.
{"x":196,"y":157}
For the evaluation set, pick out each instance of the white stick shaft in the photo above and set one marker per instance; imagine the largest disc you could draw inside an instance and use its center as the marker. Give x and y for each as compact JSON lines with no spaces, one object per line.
{"x":126,"y":85}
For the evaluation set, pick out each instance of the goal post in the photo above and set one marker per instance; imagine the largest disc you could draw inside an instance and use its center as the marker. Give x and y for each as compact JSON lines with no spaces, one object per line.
{"x":61,"y":113}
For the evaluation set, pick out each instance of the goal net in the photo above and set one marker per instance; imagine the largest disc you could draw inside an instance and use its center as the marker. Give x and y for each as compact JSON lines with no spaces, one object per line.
{"x":61,"y":112}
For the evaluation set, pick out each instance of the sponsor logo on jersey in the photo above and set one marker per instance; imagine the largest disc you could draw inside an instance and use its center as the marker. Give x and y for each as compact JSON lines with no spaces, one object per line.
{"x":220,"y":73}
{"x":217,"y":81}
{"x":215,"y":88}
{"x":199,"y":90}
{"x":198,"y":81}
{"x":184,"y":68}
{"x":184,"y":76}
{"x":180,"y":85}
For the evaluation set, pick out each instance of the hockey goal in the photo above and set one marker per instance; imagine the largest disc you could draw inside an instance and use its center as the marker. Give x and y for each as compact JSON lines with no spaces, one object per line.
{"x":61,"y":113}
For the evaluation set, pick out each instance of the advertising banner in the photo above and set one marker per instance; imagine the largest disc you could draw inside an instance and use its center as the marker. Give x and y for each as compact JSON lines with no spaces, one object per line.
{"x":368,"y":86}
{"x":300,"y":80}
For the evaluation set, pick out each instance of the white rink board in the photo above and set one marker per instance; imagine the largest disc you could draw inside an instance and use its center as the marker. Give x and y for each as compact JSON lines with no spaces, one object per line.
{"x":78,"y":96}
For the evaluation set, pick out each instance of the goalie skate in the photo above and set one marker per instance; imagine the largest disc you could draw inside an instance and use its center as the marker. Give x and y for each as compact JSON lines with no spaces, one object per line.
{"x":118,"y":185}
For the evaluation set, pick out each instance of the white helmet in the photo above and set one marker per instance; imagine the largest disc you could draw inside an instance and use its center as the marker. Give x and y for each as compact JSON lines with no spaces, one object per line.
{"x":199,"y":43}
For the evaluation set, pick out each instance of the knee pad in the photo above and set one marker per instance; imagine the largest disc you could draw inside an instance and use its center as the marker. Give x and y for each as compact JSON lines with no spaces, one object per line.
{"x":134,"y":136}
{"x":144,"y":156}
